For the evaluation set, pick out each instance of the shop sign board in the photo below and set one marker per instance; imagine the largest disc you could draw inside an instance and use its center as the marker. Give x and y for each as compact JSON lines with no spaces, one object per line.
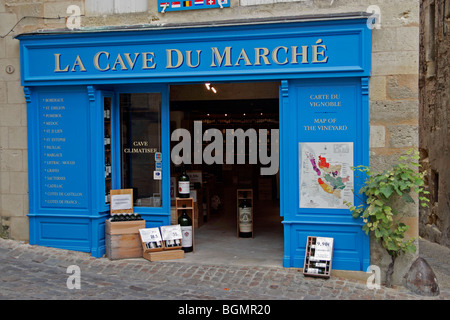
{"x":271,"y":51}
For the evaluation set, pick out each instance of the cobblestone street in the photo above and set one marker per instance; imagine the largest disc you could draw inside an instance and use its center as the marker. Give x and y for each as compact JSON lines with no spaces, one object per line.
{"x":34,"y":272}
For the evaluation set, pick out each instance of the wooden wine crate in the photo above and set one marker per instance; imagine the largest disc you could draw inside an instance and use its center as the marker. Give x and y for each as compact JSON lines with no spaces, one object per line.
{"x":123,"y":246}
{"x":163,"y":255}
{"x":124,"y":227}
{"x":122,"y":239}
{"x":157,"y":241}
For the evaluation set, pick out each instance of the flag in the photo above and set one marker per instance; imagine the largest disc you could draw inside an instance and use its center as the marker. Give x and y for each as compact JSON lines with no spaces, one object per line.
{"x":199,"y":2}
{"x":176,"y":4}
{"x":164,"y":4}
{"x":187,"y":3}
{"x":210,"y":2}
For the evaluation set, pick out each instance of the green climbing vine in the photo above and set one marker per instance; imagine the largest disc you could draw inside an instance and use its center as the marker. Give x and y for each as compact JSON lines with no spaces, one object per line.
{"x":378,"y":212}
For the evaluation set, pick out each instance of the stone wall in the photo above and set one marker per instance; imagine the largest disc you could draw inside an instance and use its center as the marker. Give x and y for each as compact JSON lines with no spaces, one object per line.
{"x":393,"y":85}
{"x":434,"y":121}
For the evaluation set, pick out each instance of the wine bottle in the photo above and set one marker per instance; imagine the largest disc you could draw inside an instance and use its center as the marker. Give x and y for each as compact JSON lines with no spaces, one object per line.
{"x":317,"y":264}
{"x":108,"y":169}
{"x":315,"y":271}
{"x":183,"y":185}
{"x":169,"y":243}
{"x":107,"y":113}
{"x":245,"y":218}
{"x":185,"y":223}
{"x":107,"y":140}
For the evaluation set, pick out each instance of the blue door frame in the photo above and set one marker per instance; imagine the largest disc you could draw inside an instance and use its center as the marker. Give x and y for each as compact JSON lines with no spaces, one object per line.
{"x":79,"y":68}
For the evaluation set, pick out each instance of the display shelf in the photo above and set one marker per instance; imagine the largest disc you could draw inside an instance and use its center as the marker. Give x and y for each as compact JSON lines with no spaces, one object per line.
{"x":246,"y":194}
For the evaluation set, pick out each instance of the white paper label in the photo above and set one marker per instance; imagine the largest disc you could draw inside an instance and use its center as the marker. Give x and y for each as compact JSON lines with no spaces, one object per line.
{"x":172,"y":232}
{"x":245,"y":219}
{"x":183,"y":187}
{"x":121,"y":202}
{"x":324,"y":248}
{"x":150,"y":235}
{"x":186,"y":233}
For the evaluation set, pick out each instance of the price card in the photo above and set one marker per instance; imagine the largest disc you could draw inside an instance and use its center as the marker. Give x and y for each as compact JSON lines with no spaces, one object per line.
{"x":324,"y":248}
{"x":150,"y":235}
{"x":172,"y":232}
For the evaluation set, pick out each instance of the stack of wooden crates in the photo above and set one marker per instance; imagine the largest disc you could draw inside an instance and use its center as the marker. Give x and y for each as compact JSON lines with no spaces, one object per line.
{"x":122,"y":239}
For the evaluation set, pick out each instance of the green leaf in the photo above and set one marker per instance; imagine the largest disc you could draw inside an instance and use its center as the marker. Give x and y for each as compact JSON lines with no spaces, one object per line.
{"x":407,"y":198}
{"x":387,"y":191}
{"x":378,"y":233}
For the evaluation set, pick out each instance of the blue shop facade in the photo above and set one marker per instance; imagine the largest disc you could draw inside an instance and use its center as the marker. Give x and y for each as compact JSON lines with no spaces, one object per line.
{"x":74,"y":80}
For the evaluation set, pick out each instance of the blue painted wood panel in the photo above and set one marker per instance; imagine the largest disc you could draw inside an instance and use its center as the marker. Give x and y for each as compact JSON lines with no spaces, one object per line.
{"x":307,"y":107}
{"x":62,"y":140}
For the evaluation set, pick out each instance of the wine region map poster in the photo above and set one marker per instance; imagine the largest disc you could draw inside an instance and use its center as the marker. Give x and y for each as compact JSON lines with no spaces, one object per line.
{"x":326,"y":175}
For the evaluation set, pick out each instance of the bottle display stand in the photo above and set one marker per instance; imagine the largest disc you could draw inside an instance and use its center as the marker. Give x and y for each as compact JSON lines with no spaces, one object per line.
{"x":160,"y":251}
{"x":189,"y":203}
{"x":151,"y":240}
{"x":318,"y":257}
{"x":240,"y":197}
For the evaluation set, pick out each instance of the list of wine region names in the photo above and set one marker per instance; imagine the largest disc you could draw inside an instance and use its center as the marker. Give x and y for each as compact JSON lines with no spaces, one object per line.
{"x":63,"y":150}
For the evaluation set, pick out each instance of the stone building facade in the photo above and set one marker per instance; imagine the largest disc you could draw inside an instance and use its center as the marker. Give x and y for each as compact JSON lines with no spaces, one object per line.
{"x":434,"y":121}
{"x":393,"y":88}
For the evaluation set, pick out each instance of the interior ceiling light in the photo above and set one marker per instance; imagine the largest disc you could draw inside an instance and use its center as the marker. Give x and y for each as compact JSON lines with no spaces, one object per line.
{"x":213,"y":90}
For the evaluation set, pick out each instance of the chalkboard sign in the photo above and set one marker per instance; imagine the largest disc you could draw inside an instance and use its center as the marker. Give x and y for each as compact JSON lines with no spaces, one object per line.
{"x":318,"y":257}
